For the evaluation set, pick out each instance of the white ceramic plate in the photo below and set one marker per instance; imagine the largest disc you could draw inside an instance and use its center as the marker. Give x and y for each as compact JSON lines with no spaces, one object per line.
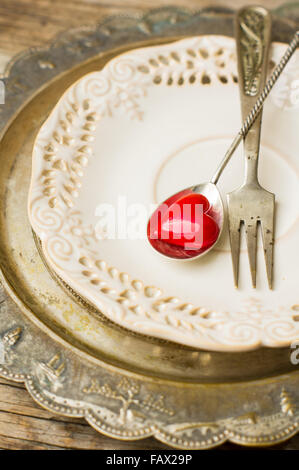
{"x":154,"y":121}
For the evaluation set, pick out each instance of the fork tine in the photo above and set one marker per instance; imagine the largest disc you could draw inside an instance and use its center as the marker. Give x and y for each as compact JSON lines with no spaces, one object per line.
{"x":251,"y":237}
{"x":268,"y":242}
{"x":234,"y":228}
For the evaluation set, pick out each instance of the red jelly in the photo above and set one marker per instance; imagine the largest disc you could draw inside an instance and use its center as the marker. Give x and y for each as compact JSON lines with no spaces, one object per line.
{"x":183,"y":226}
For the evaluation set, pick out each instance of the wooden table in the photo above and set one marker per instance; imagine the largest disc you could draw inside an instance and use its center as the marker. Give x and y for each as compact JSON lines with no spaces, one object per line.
{"x":24,"y":24}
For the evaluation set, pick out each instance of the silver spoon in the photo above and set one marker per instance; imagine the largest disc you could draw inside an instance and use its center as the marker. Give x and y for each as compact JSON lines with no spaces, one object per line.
{"x":209,"y":190}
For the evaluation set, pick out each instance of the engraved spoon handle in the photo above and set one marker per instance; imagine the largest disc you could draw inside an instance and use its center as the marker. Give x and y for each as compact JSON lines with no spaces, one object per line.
{"x":257,"y":106}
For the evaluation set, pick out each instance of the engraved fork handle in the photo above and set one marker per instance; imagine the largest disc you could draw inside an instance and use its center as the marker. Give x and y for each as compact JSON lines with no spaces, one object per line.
{"x":253,"y":30}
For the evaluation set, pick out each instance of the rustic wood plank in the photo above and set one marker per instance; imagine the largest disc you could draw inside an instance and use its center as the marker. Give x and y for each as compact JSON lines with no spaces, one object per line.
{"x":9,"y":443}
{"x":16,"y":399}
{"x":25,"y":425}
{"x":37,"y":430}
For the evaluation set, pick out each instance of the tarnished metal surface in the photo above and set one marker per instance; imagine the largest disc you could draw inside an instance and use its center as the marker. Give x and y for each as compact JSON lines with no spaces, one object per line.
{"x":72,"y":360}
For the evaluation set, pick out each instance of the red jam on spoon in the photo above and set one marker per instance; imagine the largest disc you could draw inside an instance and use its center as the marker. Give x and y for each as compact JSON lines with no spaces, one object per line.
{"x":184,"y":226}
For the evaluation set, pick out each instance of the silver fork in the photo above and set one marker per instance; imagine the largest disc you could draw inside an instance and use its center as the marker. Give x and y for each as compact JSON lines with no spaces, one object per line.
{"x":251,"y":204}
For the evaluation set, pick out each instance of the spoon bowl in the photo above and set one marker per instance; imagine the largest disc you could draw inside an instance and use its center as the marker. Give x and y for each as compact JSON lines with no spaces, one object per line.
{"x":188,"y":224}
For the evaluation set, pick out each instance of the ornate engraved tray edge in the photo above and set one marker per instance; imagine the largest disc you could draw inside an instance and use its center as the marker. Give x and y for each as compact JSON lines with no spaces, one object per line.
{"x":196,"y":416}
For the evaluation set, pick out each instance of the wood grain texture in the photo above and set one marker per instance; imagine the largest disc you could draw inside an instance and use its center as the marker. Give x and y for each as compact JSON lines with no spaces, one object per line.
{"x":32,"y":23}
